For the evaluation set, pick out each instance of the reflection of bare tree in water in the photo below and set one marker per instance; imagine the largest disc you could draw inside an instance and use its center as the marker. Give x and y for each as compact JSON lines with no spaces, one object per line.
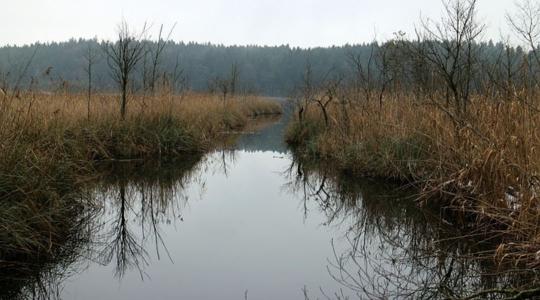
{"x":139,"y":204}
{"x":227,"y":158}
{"x":153,"y":201}
{"x":120,"y":225}
{"x":124,"y":245}
{"x":391,"y":249}
{"x":141,"y":199}
{"x":319,"y":187}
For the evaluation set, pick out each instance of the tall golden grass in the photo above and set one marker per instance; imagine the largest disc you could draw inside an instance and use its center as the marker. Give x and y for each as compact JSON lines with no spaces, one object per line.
{"x":202,"y":117}
{"x":484,"y":166}
{"x":49,"y":145}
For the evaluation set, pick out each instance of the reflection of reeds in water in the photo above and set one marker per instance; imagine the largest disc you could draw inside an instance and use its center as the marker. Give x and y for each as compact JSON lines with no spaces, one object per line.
{"x":396,"y":250}
{"x":129,"y":203}
{"x":50,"y":143}
{"x":137,"y":200}
{"x":37,"y":274}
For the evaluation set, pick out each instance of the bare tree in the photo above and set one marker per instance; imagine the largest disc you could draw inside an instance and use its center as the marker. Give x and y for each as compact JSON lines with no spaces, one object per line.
{"x":308,"y":91}
{"x":526,"y":23}
{"x":327,"y":95}
{"x":503,"y":74}
{"x":16,"y":89}
{"x":449,"y":46}
{"x":320,"y":93}
{"x":91,"y":57}
{"x":386,"y":67}
{"x":179,"y":78}
{"x":175,"y":81}
{"x":234,"y":76}
{"x":363,"y":71}
{"x":224,"y":86}
{"x":3,"y":85}
{"x":227,"y":85}
{"x":122,"y":58}
{"x":156,"y":57}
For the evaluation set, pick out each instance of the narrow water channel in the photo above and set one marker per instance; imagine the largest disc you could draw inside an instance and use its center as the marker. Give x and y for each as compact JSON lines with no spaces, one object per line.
{"x":229,"y":227}
{"x":253,"y":223}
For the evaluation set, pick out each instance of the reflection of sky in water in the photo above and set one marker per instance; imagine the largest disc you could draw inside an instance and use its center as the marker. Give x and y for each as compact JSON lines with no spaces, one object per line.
{"x":244,"y":231}
{"x":235,"y":224}
{"x":239,"y":221}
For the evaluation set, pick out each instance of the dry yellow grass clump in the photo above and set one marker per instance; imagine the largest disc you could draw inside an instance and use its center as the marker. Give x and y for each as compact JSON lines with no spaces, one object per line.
{"x":484,"y":165}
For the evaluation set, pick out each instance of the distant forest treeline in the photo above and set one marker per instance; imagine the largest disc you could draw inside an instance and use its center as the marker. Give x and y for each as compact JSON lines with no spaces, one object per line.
{"x":269,"y":70}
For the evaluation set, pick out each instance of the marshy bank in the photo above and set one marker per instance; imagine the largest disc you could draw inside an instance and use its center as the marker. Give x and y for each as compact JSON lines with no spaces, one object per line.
{"x":394,"y":249}
{"x":478,"y":166}
{"x":252,"y":220}
{"x":480,"y":169}
{"x":442,"y":113}
{"x":54,"y":145}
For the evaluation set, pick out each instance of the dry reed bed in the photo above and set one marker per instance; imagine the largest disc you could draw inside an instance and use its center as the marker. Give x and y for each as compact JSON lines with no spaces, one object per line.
{"x":485,"y":168}
{"x":49,"y":145}
{"x":200,"y":118}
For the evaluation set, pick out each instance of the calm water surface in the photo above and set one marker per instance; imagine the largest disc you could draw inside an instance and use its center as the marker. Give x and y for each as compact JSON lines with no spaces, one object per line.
{"x":253,"y":223}
{"x":234,"y":225}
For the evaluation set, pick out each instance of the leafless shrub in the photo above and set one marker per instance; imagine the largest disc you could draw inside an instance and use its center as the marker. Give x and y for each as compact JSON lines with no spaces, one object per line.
{"x":123,"y":56}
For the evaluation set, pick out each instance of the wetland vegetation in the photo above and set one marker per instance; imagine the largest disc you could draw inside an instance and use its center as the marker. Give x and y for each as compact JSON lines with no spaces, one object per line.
{"x":437,"y":114}
{"x":53,"y":150}
{"x":397,"y":169}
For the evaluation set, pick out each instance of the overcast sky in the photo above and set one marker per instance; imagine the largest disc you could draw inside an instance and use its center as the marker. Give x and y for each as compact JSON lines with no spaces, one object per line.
{"x":304,"y":23}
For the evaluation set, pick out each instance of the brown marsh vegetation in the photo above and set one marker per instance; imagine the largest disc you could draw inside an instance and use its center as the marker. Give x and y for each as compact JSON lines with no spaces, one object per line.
{"x":434,"y":113}
{"x":54,"y":144}
{"x":395,"y":250}
{"x":51,"y":149}
{"x":122,"y":200}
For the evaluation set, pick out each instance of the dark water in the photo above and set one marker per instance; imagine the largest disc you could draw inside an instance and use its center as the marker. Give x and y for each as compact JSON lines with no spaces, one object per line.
{"x":254,"y":223}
